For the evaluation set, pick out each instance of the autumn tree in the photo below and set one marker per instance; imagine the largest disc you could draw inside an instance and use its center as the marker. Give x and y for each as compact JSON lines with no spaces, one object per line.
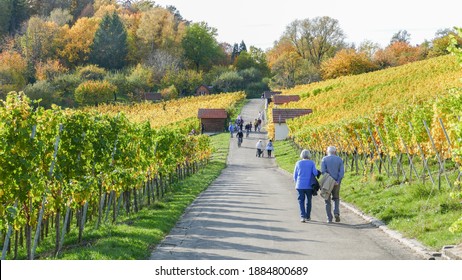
{"x":41,"y":41}
{"x":169,"y":93}
{"x":12,"y":72}
{"x":315,"y":39}
{"x":347,"y":62}
{"x":60,"y":16}
{"x":369,"y":48}
{"x":140,"y":80}
{"x":159,"y":29}
{"x":227,"y":50}
{"x":162,"y":61}
{"x":109,"y":49}
{"x":398,"y":53}
{"x":185,"y":81}
{"x":288,"y":68}
{"x":43,"y":92}
{"x":91,"y":72}
{"x":200,"y":46}
{"x":49,"y":70}
{"x":439,"y":45}
{"x":78,"y":39}
{"x":94,"y":92}
{"x":78,"y":7}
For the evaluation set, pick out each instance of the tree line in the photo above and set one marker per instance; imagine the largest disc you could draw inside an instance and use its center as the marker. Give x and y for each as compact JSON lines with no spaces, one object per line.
{"x":64,"y":51}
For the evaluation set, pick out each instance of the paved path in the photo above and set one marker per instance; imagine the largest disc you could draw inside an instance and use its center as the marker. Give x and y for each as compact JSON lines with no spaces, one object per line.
{"x":251,"y":212}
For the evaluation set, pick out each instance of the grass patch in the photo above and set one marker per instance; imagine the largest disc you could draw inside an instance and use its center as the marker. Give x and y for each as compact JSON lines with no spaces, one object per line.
{"x":417,"y":210}
{"x":136,"y":235}
{"x":286,"y":155}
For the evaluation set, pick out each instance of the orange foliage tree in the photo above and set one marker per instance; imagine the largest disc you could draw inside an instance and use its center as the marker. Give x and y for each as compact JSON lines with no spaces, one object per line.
{"x":78,"y":40}
{"x":12,"y":72}
{"x":398,"y":53}
{"x":49,"y":70}
{"x":347,"y":62}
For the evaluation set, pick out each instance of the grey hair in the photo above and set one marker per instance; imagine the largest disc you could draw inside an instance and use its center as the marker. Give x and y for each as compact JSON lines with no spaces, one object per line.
{"x":305,"y":154}
{"x":331,"y":150}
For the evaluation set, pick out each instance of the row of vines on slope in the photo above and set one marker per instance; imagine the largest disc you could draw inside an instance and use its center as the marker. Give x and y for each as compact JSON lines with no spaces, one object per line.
{"x":58,"y":163}
{"x":377,"y":118}
{"x":172,"y":111}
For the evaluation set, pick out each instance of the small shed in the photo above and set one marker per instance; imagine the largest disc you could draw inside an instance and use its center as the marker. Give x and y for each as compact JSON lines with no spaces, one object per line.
{"x":279,"y":120}
{"x":203,"y":90}
{"x":283,"y":99}
{"x":213,"y":120}
{"x":267,"y":95}
{"x":152,"y":96}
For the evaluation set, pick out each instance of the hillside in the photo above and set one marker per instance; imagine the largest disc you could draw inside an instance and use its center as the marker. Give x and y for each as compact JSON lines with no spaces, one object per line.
{"x":389,"y":89}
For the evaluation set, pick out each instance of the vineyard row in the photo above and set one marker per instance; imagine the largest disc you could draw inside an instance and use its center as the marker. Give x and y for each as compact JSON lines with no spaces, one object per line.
{"x":56,"y":165}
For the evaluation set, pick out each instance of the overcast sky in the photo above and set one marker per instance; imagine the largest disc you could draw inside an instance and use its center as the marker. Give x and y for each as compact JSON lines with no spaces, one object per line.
{"x":261,"y":22}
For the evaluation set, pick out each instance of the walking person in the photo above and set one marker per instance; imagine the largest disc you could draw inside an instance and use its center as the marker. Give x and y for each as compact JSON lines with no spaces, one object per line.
{"x":333,"y":165}
{"x":269,"y":147}
{"x":259,"y":147}
{"x":231,"y":129}
{"x":304,"y":178}
{"x":240,"y":137}
{"x":248,"y":128}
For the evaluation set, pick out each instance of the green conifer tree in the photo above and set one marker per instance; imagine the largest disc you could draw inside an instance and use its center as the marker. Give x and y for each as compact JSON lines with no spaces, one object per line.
{"x":109,"y":49}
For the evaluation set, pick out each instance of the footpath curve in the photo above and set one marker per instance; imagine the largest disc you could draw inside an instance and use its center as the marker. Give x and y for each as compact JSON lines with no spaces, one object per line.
{"x":250,"y":212}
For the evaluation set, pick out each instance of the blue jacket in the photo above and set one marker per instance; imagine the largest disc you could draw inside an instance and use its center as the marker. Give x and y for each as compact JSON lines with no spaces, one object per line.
{"x":304,"y":173}
{"x":334,"y":166}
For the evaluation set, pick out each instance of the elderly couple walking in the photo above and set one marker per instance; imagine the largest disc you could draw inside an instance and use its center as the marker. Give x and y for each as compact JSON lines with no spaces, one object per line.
{"x":305,"y":174}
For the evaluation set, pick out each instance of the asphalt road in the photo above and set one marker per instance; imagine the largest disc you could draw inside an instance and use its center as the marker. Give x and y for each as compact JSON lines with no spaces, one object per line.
{"x":251,"y":212}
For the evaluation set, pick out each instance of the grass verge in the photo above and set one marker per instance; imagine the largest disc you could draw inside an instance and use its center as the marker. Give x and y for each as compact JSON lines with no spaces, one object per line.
{"x":419,"y":211}
{"x":135,"y":236}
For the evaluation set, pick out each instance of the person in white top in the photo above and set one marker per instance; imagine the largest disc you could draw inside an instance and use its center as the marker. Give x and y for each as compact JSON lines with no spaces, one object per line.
{"x":259,"y":147}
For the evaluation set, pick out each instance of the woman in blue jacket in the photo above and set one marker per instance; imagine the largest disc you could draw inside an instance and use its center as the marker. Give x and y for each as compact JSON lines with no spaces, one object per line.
{"x":304,"y":178}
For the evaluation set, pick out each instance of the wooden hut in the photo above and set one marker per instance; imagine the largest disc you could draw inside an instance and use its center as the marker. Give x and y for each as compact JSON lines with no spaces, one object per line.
{"x":281,"y":131}
{"x":213,"y":120}
{"x":203,"y":90}
{"x":283,"y":99}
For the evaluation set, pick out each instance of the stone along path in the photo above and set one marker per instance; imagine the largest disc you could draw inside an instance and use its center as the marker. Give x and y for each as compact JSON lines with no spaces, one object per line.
{"x":251,"y":212}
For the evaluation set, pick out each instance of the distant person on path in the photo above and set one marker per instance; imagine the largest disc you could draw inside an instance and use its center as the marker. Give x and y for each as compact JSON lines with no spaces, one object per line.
{"x":259,"y":147}
{"x":269,"y":148}
{"x":304,"y":178}
{"x":255,"y":124}
{"x":248,"y":128}
{"x":240,"y":137}
{"x":231,"y":129}
{"x":333,"y":165}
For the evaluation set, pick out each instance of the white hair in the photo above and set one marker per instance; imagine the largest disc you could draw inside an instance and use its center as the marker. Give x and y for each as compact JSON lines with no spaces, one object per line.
{"x":331,"y":150}
{"x":305,"y":154}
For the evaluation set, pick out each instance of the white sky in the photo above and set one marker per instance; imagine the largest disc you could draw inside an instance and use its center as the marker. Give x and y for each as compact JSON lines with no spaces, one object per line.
{"x":261,"y":22}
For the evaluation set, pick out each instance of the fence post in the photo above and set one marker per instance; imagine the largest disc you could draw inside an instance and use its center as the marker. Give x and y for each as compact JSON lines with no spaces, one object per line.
{"x":441,"y":169}
{"x":449,"y":147}
{"x":424,"y":160}
{"x":408,"y":156}
{"x":362,"y":147}
{"x":378,"y":152}
{"x":386,"y":151}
